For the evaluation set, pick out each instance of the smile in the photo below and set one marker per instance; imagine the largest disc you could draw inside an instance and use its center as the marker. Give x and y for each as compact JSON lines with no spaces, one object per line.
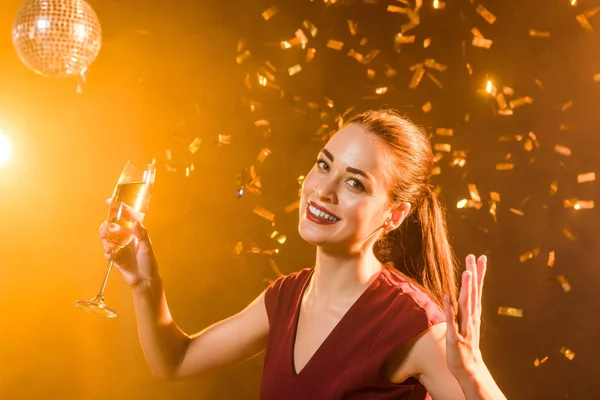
{"x":317,"y":214}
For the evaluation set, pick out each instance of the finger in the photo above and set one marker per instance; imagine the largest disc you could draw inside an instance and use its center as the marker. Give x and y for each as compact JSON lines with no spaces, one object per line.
{"x":451,"y":325}
{"x":108,"y":201}
{"x":464,"y":306}
{"x":472,"y":264}
{"x":481,"y":269}
{"x":141,"y":234}
{"x":103,"y":229}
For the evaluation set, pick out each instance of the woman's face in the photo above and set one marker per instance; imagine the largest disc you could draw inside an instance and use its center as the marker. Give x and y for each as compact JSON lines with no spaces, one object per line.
{"x":344,"y":197}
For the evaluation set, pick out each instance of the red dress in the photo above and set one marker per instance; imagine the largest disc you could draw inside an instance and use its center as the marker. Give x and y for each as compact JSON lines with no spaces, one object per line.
{"x":351,"y":363}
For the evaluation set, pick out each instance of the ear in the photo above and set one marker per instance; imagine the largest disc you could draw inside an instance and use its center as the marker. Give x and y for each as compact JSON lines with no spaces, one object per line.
{"x":398,"y":215}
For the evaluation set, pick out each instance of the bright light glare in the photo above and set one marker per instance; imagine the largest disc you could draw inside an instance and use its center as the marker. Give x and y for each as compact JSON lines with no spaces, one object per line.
{"x":4,"y":148}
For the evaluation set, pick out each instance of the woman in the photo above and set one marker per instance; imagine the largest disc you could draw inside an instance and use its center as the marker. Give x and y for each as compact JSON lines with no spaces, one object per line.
{"x":366,"y":322}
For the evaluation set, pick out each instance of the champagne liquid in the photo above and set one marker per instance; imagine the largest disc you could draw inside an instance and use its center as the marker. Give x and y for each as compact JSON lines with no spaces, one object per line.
{"x":129,"y":204}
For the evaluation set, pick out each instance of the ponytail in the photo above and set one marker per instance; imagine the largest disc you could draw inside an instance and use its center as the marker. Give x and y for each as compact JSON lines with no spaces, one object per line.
{"x":420,"y":250}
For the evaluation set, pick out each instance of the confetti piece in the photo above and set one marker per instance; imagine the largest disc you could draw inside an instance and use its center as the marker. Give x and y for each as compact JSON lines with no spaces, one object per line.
{"x":539,"y":362}
{"x":397,"y":9}
{"x":504,"y":166}
{"x":278,"y":237}
{"x":436,"y":170}
{"x":521,"y":101}
{"x":267,"y":14}
{"x":583,"y":21}
{"x":567,"y":353}
{"x":195,"y":145}
{"x":310,"y":27}
{"x":294,"y":70}
{"x":553,"y":188}
{"x":587,"y":177}
{"x":352,"y":27}
{"x":539,"y":34}
{"x":563,"y":150}
{"x":495,"y":196}
{"x":426,"y":107}
{"x":529,"y":255}
{"x":237,"y":250}
{"x":310,"y":54}
{"x":501,"y":100}
{"x":262,"y":212}
{"x":520,"y":213}
{"x":274,"y":268}
{"x":381,"y":90}
{"x":564,"y":283}
{"x":224,"y":139}
{"x":435,"y":80}
{"x":444,"y":131}
{"x":402,"y":39}
{"x":431,"y":63}
{"x":482,"y":42}
{"x":468,"y":203}
{"x":485,"y":14}
{"x":566,"y":105}
{"x":510,"y":312}
{"x":568,"y":234}
{"x":474,"y":192}
{"x":335,"y":45}
{"x":263,"y":154}
{"x":389,"y":71}
{"x":592,"y":12}
{"x":240,"y":58}
{"x":291,"y":207}
{"x":416,"y":79}
{"x":426,"y":43}
{"x":445,"y":147}
{"x":439,"y":5}
{"x":551,"y":259}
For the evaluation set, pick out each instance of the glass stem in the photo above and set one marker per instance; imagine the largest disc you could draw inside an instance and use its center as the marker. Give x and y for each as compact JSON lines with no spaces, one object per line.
{"x":106,"y":275}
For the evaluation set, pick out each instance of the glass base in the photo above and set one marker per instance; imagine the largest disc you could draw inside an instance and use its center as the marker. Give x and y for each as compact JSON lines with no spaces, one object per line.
{"x":96,"y":306}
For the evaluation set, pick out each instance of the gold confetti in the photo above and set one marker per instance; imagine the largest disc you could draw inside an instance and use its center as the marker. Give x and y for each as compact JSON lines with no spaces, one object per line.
{"x":568,"y":234}
{"x":567,"y":353}
{"x":278,"y":237}
{"x":482,"y":42}
{"x":237,"y":250}
{"x":553,"y":188}
{"x":401,"y":39}
{"x":485,"y":14}
{"x":427,"y":107}
{"x":551,"y":259}
{"x":274,"y":268}
{"x":310,"y":27}
{"x":431,"y":63}
{"x":240,"y":58}
{"x":529,"y":255}
{"x":310,"y":54}
{"x":596,"y":77}
{"x":564,"y":283}
{"x":335,"y":45}
{"x":436,"y":170}
{"x":507,"y":90}
{"x":539,"y":362}
{"x":352,"y":26}
{"x":381,"y":90}
{"x":416,"y":79}
{"x":516,"y":212}
{"x":397,"y":9}
{"x":291,"y":207}
{"x":520,"y":102}
{"x":195,"y":145}
{"x":563,"y":150}
{"x":592,"y":12}
{"x":426,"y":43}
{"x":294,"y":70}
{"x":587,"y":177}
{"x":262,"y":212}
{"x":389,"y":71}
{"x":356,"y":55}
{"x":510,"y":312}
{"x":495,"y":196}
{"x":474,"y":192}
{"x":468,"y":203}
{"x":501,"y":101}
{"x":267,"y":14}
{"x":445,"y":147}
{"x":439,"y":5}
{"x":566,"y":106}
{"x":504,"y":166}
{"x":224,"y":139}
{"x":435,"y":80}
{"x":492,"y":205}
{"x":444,"y":131}
{"x":583,"y":21}
{"x":263,"y":154}
{"x":539,"y":34}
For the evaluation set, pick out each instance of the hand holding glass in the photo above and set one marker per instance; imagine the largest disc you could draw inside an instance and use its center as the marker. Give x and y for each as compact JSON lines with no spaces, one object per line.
{"x":129,"y":203}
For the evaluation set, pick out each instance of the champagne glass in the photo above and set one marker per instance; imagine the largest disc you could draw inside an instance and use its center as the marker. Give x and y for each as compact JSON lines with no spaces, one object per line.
{"x":129,"y":203}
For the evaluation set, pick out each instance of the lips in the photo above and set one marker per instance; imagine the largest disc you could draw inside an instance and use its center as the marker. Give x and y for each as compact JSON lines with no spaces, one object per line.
{"x":321,"y":208}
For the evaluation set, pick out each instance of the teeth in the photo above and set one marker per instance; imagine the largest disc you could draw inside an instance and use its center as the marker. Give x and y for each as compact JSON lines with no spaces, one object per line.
{"x":321,"y":214}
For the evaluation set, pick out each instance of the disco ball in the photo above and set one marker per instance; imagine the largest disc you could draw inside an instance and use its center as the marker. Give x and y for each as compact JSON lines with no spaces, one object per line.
{"x":57,"y":38}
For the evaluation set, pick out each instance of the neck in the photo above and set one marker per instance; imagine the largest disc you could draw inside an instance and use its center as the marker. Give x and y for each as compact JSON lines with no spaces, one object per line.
{"x":339,"y":277}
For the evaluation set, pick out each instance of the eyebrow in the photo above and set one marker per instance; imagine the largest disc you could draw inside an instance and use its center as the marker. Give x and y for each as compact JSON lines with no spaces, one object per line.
{"x":352,"y":170}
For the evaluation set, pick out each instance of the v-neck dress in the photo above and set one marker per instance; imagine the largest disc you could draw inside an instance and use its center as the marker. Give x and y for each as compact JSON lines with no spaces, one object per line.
{"x":351,"y":363}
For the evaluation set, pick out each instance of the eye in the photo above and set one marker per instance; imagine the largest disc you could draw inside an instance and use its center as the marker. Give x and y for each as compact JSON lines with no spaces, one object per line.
{"x":322,"y":165}
{"x":356,"y":184}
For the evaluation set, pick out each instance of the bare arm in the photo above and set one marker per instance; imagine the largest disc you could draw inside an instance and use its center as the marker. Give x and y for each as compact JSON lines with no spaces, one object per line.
{"x":172,"y":354}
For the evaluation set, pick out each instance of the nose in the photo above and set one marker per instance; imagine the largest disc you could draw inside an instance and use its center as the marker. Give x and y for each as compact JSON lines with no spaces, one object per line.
{"x":325,"y":191}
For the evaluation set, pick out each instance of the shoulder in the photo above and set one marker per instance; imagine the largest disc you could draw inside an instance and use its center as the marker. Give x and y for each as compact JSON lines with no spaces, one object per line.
{"x":412,"y":303}
{"x":285,"y":289}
